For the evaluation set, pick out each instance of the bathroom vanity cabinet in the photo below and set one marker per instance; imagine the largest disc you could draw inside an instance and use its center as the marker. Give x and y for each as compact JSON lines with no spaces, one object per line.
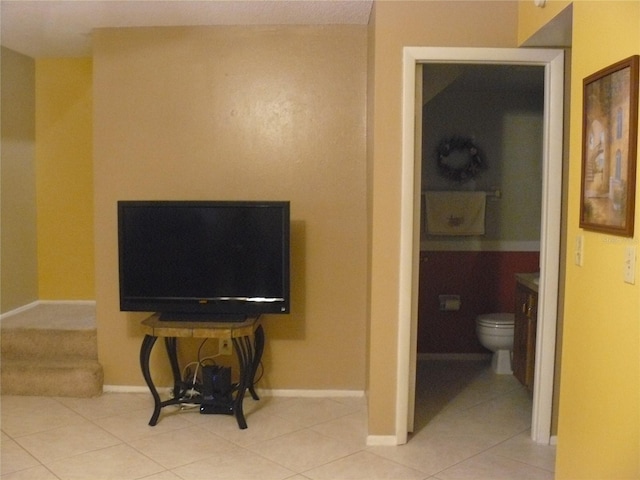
{"x":524,"y":332}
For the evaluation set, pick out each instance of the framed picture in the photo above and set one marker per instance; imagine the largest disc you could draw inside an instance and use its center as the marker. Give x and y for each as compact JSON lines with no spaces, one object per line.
{"x":609,"y":148}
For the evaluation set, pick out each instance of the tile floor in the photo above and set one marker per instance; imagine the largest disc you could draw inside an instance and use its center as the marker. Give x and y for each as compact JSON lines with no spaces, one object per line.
{"x":470,"y":424}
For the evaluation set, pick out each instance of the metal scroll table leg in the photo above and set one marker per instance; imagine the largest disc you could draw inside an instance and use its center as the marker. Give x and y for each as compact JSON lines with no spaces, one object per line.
{"x":145,"y":353}
{"x":257,"y":358}
{"x":244,"y":352}
{"x":171,"y":344}
{"x":249,"y":356}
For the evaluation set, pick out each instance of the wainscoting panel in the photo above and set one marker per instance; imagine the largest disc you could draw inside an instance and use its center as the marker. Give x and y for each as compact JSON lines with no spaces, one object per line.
{"x":485,"y":282}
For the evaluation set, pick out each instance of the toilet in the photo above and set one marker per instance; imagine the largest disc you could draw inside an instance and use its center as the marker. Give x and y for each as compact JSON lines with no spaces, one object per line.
{"x":495,"y":332}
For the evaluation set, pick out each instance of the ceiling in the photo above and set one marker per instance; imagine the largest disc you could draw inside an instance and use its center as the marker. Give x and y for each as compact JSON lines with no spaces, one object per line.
{"x":55,"y":28}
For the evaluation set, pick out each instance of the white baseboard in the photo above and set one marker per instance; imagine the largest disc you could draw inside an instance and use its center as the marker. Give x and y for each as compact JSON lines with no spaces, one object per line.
{"x":66,"y":302}
{"x":382,"y":440}
{"x":131,"y":389}
{"x":21,"y":309}
{"x":263,"y":392}
{"x":310,"y":393}
{"x":34,"y":304}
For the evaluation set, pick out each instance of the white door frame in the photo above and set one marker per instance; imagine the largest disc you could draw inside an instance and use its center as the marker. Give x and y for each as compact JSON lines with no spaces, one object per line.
{"x":553,"y":62}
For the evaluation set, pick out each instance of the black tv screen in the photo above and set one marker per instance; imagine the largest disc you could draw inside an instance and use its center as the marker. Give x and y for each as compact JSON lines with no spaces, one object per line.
{"x":208,"y":259}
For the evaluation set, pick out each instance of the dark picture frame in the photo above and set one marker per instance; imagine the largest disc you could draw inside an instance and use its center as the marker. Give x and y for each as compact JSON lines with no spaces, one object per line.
{"x":609,"y":148}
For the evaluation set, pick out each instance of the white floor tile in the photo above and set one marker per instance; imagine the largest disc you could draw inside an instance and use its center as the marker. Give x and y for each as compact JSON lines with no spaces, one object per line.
{"x":261,"y":427}
{"x":33,"y":473}
{"x":134,"y":425}
{"x":27,"y":415}
{"x":182,"y":446}
{"x":14,"y":458}
{"x":351,"y":429}
{"x":64,"y":442}
{"x":493,"y":467}
{"x":436,"y":452}
{"x":522,"y":449}
{"x":311,"y":411}
{"x":470,"y":425}
{"x":109,"y":404}
{"x":236,"y":464}
{"x":363,"y":466}
{"x":121,"y":461}
{"x":302,"y":450}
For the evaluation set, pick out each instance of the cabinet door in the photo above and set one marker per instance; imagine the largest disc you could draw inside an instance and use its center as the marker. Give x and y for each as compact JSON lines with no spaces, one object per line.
{"x":532,"y":308}
{"x":520,"y":334}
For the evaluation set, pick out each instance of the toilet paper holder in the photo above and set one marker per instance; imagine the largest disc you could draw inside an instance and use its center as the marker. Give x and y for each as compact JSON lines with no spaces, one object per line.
{"x":449,"y":303}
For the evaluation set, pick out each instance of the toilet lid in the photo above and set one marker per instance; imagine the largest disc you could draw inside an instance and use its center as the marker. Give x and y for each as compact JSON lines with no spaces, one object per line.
{"x":496,"y":319}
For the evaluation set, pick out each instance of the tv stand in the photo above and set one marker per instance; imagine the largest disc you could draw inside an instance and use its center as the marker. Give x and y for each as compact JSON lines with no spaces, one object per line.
{"x":248,"y":353}
{"x":202,"y":317}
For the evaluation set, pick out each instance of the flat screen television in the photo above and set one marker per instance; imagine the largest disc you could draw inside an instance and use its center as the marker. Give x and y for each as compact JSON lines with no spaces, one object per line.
{"x":204,"y":260}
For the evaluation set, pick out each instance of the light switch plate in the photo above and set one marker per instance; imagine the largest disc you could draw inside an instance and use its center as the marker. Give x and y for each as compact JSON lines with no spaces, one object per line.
{"x":630,"y":265}
{"x":579,"y":252}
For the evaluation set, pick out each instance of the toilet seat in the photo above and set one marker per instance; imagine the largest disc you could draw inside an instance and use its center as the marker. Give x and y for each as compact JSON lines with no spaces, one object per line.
{"x":496,"y":320}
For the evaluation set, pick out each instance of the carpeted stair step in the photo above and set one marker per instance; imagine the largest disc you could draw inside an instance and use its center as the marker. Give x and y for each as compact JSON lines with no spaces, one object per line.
{"x":51,"y":350}
{"x":60,"y":377}
{"x":32,"y":343}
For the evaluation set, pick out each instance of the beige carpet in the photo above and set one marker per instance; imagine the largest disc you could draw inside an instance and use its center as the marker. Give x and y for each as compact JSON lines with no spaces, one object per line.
{"x":51,"y":350}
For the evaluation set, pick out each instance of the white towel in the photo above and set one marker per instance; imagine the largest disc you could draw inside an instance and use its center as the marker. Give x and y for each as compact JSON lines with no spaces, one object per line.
{"x":455,"y":213}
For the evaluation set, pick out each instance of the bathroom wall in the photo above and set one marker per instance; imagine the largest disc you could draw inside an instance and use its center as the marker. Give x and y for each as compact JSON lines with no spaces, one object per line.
{"x":501,"y":112}
{"x":500,"y":109}
{"x":485,"y":282}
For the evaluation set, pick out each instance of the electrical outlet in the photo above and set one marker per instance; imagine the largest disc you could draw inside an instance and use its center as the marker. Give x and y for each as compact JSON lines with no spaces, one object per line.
{"x":579,"y":252}
{"x":225,"y":346}
{"x":630,"y":265}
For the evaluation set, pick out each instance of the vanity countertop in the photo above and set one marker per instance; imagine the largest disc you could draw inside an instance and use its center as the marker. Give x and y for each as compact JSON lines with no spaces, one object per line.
{"x":529,"y":280}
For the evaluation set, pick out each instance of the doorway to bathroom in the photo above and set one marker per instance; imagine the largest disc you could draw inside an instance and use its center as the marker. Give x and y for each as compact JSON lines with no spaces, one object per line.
{"x":481,"y":188}
{"x":552,"y":64}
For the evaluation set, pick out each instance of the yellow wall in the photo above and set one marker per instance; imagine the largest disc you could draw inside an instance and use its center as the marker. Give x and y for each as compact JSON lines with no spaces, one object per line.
{"x":599,"y":419}
{"x":399,"y":24}
{"x":19,"y":270}
{"x":242,"y":113}
{"x":64,"y":179}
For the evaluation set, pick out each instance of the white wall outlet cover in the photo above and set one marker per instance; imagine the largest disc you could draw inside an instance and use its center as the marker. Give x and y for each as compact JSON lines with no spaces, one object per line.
{"x":630,"y":265}
{"x":579,"y":252}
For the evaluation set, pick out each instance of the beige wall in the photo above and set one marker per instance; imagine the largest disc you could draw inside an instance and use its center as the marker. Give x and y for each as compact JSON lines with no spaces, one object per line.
{"x":64,"y":179}
{"x":242,"y":113}
{"x":19,"y":274}
{"x":395,"y":25}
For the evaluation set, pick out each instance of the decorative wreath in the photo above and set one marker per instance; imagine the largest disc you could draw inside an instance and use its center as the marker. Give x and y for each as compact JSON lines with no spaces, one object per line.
{"x":460,"y":173}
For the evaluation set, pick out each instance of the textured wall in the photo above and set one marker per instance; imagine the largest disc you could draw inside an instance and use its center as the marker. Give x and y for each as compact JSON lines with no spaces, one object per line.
{"x":243,"y":113}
